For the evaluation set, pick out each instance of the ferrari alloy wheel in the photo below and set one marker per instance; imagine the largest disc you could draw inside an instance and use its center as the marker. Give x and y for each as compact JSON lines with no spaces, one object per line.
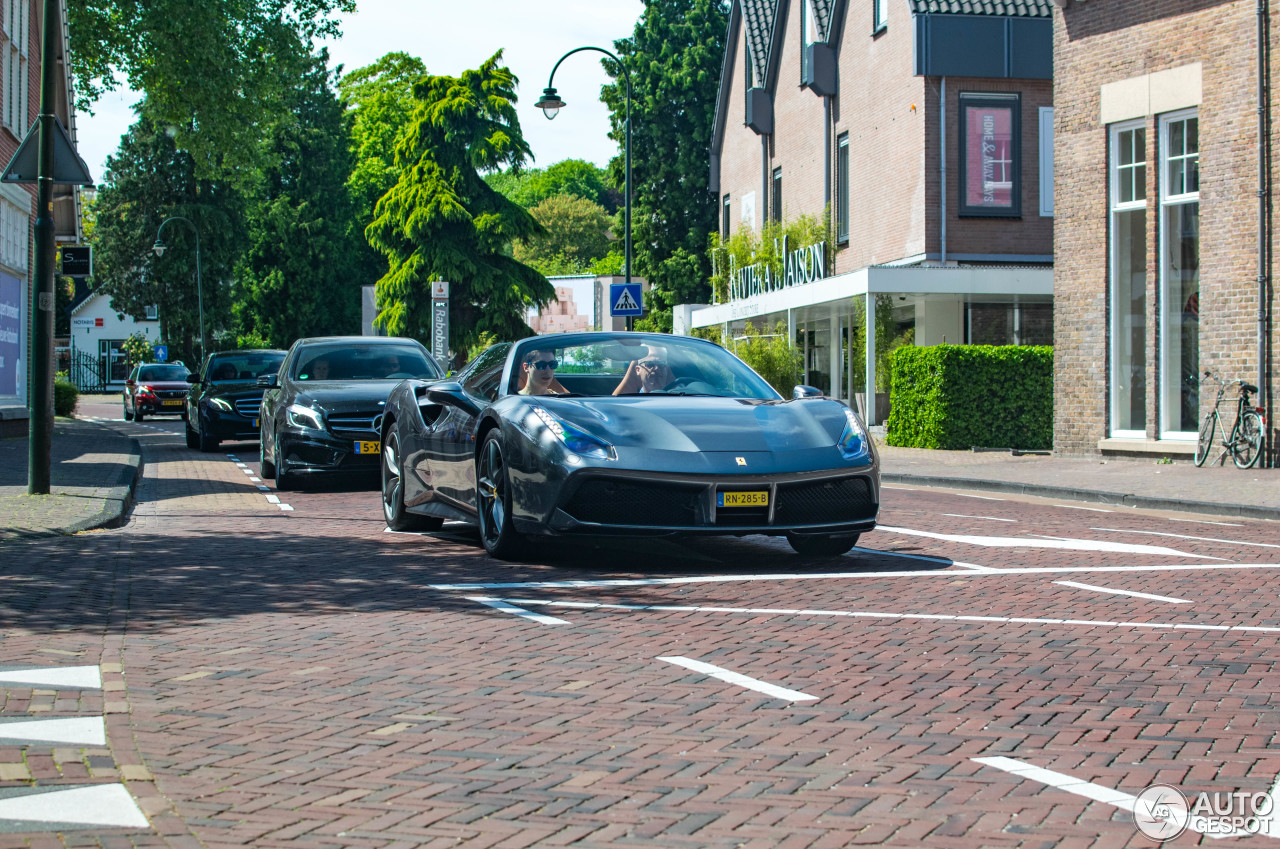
{"x":493,"y":494}
{"x":267,"y":468}
{"x":398,"y":519}
{"x":207,"y":443}
{"x":284,"y":480}
{"x":821,"y":545}
{"x":193,"y":439}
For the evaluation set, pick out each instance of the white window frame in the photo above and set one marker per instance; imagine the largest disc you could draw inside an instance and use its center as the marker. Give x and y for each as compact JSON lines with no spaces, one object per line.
{"x":879,"y":15}
{"x":1114,"y":331}
{"x":15,"y":32}
{"x":1046,"y":161}
{"x":1166,"y":316}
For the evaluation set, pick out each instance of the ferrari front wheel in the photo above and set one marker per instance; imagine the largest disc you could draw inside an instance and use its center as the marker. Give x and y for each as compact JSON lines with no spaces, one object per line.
{"x":398,"y":518}
{"x":821,"y":545}
{"x":493,"y":500}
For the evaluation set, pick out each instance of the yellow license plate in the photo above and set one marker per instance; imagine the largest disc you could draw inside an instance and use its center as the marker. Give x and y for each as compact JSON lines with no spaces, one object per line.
{"x":368,"y":447}
{"x":255,"y":422}
{"x":177,"y":402}
{"x":759,"y":498}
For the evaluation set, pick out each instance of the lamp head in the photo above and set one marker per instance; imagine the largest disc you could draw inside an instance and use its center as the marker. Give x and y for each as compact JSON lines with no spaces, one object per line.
{"x":550,"y":103}
{"x":158,"y":247}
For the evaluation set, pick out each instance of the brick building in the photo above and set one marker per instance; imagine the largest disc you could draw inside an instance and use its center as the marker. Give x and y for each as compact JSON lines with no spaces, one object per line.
{"x":20,"y":43}
{"x":924,"y":128}
{"x":1160,"y":221}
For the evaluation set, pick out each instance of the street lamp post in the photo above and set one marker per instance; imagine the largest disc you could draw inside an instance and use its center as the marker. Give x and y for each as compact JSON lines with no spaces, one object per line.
{"x":159,"y":248}
{"x":550,"y":104}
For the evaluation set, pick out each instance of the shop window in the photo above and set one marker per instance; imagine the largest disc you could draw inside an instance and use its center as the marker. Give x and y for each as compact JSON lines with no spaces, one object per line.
{"x":990,"y":155}
{"x":842,"y":189}
{"x":1179,"y":273}
{"x":1128,"y":289}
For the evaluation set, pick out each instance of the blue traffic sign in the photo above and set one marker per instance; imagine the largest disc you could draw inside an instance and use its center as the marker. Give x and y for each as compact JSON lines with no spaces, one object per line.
{"x":162,"y":353}
{"x":625,"y":299}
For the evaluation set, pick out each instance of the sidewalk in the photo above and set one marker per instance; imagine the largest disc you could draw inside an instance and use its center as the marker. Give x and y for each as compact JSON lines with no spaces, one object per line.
{"x":95,"y":469}
{"x":92,"y":475}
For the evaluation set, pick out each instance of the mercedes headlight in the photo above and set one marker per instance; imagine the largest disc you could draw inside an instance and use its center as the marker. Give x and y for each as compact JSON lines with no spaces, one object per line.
{"x":853,"y":439}
{"x":221,"y":404}
{"x":575,"y":438}
{"x":300,"y":416}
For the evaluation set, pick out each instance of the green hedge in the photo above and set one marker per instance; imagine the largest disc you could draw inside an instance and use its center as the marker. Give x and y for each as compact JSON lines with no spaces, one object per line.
{"x":966,"y":396}
{"x":65,"y":396}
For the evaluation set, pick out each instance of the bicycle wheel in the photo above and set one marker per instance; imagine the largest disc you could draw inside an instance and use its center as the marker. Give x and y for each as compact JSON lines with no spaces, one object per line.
{"x":1205,"y":443}
{"x":1246,"y":448}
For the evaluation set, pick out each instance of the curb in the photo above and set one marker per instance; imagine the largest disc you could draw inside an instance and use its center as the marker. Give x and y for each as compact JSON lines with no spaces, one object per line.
{"x":120,"y":498}
{"x":1182,"y":505}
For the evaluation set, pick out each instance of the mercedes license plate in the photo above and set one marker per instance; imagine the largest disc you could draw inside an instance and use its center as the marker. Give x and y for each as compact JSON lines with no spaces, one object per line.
{"x":368,"y":447}
{"x":755,"y":498}
{"x":172,"y":402}
{"x":255,"y":422}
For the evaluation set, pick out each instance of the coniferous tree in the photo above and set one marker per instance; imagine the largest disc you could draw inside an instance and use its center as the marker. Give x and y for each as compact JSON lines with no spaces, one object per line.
{"x":298,"y":275}
{"x":442,"y":221}
{"x":675,"y":58}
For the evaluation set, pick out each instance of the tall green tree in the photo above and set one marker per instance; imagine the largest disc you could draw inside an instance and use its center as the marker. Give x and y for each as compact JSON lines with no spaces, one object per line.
{"x":674,"y":57}
{"x":577,"y":234}
{"x":442,"y":221}
{"x":298,"y":275}
{"x":531,"y":186}
{"x":148,"y":180}
{"x":210,"y":70}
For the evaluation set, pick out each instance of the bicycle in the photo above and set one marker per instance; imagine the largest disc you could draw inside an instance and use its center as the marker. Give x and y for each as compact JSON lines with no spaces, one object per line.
{"x":1244,"y":443}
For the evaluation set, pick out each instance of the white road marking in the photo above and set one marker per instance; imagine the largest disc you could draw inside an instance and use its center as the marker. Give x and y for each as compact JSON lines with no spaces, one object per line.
{"x":1184,"y":536}
{"x":108,"y":805}
{"x":77,"y":730}
{"x":1089,"y":790}
{"x":499,"y":604}
{"x":55,"y":677}
{"x":879,"y":614}
{"x":247,"y":471}
{"x":975,"y":567}
{"x":1205,"y":522}
{"x":241,"y":465}
{"x":983,"y":497}
{"x":256,"y":480}
{"x":740,"y":680}
{"x":1169,"y":599}
{"x":1092,"y":509}
{"x":988,"y":518}
{"x":285,"y":507}
{"x":274,"y":499}
{"x":946,"y":573}
{"x":1056,"y":542}
{"x":264,"y":488}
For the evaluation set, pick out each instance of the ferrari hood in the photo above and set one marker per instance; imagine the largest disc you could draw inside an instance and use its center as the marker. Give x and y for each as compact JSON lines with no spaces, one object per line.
{"x":701,"y":424}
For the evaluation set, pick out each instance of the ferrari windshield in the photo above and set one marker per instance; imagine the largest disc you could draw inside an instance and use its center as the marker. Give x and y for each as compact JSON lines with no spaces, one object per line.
{"x":593,"y":364}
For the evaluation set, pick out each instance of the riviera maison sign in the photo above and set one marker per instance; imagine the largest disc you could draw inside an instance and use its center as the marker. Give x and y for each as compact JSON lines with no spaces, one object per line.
{"x":803,"y":265}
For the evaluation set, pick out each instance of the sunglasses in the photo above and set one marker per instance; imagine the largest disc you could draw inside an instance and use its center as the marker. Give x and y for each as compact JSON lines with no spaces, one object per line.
{"x":652,"y":364}
{"x":540,"y":365}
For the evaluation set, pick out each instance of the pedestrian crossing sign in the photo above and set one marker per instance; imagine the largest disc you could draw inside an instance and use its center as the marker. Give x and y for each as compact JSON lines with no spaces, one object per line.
{"x":624,"y":299}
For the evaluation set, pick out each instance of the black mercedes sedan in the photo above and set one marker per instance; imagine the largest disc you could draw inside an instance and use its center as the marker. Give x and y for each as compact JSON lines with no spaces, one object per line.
{"x":322,"y":411}
{"x":625,"y":434}
{"x":225,"y":396}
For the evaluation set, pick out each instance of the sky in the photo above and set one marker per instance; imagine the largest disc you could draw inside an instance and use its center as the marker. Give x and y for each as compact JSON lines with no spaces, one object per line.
{"x":451,"y":37}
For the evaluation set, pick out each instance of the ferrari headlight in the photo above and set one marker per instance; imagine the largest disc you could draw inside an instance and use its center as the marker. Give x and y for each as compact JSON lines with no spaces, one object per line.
{"x":575,"y":438}
{"x":221,"y":404}
{"x":853,"y":440}
{"x":300,"y":416}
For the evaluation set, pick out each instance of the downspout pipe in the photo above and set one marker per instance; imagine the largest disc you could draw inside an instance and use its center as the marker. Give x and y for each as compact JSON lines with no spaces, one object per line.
{"x":1264,"y":62}
{"x":942,"y":171}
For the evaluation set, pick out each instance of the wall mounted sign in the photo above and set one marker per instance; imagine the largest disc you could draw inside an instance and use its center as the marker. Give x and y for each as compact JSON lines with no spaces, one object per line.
{"x":803,"y":265}
{"x":990,"y":155}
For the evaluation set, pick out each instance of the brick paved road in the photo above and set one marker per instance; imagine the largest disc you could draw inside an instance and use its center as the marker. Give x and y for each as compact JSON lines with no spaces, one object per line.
{"x":281,"y":678}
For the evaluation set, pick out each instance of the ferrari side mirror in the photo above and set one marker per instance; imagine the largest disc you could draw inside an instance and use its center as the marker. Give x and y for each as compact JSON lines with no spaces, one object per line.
{"x":803,"y":391}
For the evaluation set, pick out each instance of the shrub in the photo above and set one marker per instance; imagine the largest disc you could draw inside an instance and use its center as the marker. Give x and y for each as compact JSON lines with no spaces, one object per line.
{"x":966,"y":396}
{"x":772,"y":356}
{"x":65,"y":396}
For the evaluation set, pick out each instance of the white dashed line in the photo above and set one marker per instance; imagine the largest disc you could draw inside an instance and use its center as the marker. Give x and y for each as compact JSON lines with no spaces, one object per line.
{"x":1169,"y":599}
{"x":1183,"y":536}
{"x":107,"y":805}
{"x":983,"y":497}
{"x":264,"y":488}
{"x":740,"y":680}
{"x":55,"y":677}
{"x":254,"y":478}
{"x":1090,"y":509}
{"x":274,"y":499}
{"x":1204,"y":522}
{"x":1052,"y":542}
{"x":286,"y":507}
{"x":499,"y":604}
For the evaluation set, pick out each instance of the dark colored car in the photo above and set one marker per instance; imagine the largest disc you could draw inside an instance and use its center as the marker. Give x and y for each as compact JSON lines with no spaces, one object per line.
{"x":637,"y":434}
{"x":322,"y":412}
{"x":225,"y":397}
{"x":156,"y":389}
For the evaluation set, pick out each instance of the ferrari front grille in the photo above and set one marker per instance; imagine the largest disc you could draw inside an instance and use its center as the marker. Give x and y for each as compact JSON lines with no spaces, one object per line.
{"x":824,"y":502}
{"x":620,"y":501}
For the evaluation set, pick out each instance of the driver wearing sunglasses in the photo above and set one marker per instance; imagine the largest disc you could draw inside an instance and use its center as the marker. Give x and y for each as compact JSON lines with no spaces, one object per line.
{"x":648,"y":374}
{"x":538,"y":372}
